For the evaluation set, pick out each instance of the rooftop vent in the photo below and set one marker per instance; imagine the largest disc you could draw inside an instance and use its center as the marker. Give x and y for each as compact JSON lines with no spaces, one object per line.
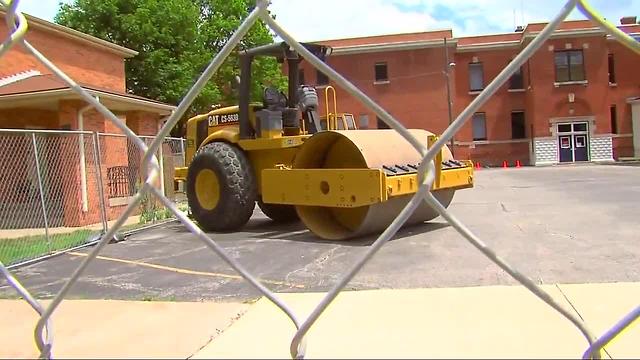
{"x":628,"y":20}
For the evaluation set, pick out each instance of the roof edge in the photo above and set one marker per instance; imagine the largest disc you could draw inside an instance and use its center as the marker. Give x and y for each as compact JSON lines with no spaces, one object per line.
{"x":101,"y":93}
{"x":490,"y":46}
{"x":76,"y":35}
{"x":383,"y":35}
{"x":392,"y":46}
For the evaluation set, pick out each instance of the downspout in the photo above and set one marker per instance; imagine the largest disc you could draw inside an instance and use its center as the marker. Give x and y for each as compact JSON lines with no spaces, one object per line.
{"x":83,"y":168}
{"x":161,"y":155}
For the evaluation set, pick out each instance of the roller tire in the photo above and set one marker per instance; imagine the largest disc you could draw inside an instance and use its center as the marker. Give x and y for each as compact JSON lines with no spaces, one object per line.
{"x":279,"y":213}
{"x":237,"y":184}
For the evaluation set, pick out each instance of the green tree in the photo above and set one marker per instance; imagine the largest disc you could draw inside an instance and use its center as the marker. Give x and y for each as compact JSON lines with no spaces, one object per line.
{"x":176,"y":40}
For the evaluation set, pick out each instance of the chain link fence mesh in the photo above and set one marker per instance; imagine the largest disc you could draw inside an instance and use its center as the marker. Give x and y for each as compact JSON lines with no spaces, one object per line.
{"x":49,"y":199}
{"x":51,"y":202}
{"x":151,"y":164}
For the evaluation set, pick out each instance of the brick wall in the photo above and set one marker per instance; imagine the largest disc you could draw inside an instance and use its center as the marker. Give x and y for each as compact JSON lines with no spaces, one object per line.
{"x":493,"y":154}
{"x":415,"y":94}
{"x":498,"y":109}
{"x":28,"y":118}
{"x":81,"y":61}
{"x":550,"y":101}
{"x":627,"y":84}
{"x":622,"y":147}
{"x":143,"y":123}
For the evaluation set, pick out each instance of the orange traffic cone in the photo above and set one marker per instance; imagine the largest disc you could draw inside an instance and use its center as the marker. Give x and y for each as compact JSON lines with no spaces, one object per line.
{"x":478,"y":165}
{"x":504,"y":164}
{"x":518,"y":164}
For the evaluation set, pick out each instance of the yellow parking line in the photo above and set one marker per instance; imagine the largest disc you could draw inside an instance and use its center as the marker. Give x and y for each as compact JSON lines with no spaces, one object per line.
{"x":185,"y":271}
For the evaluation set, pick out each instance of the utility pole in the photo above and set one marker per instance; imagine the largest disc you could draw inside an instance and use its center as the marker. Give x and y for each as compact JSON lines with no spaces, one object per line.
{"x":447,"y":68}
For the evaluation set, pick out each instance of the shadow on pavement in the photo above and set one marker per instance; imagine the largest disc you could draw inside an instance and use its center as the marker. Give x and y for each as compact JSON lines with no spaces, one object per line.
{"x":264,"y":228}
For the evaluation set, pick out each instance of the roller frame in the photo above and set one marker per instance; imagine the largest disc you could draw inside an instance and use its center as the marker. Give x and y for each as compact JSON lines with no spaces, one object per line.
{"x":349,"y":188}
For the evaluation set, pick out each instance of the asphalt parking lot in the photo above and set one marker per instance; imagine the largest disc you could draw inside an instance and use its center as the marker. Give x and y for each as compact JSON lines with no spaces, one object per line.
{"x":565,"y":224}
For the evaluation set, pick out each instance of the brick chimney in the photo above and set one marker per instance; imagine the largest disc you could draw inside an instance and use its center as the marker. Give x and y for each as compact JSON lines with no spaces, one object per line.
{"x":628,"y":20}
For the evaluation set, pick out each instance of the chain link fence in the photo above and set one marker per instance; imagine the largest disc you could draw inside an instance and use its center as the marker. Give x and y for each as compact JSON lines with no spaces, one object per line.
{"x":63,"y":189}
{"x":150,"y":165}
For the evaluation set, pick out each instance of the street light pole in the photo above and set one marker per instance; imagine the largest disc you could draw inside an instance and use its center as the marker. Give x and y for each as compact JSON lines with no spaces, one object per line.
{"x":447,"y":67}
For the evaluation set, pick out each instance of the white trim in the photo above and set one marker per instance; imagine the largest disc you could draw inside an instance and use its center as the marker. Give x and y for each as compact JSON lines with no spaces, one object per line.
{"x":613,"y":135}
{"x":611,"y":38}
{"x":572,"y":119}
{"x":77,"y":35}
{"x":516,"y":90}
{"x":393,"y":46}
{"x":120,"y":201}
{"x":567,"y":83}
{"x":492,"y":142}
{"x":567,"y":33}
{"x":102,"y":94}
{"x":527,"y":36}
{"x":490,"y":46}
{"x":18,"y":77}
{"x":131,"y":100}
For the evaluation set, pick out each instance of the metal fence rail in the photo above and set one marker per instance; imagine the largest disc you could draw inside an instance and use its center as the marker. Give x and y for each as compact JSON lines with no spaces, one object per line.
{"x":61,"y":189}
{"x":151,"y":165}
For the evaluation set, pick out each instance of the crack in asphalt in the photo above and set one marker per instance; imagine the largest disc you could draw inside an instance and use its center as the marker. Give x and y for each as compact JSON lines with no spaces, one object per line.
{"x":318,"y":262}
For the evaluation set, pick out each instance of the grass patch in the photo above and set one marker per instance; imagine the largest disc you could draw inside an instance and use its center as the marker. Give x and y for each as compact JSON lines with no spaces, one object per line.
{"x":24,"y":248}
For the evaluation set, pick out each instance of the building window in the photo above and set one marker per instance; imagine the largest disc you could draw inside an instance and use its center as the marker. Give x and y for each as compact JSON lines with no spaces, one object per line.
{"x":381,"y":72}
{"x":516,"y":82}
{"x":612,"y":70}
{"x":479,"y":127}
{"x":517,"y":125}
{"x":301,"y":77}
{"x":322,"y":78}
{"x":381,"y":124}
{"x":364,"y":121}
{"x":569,"y":66}
{"x":476,"y":77}
{"x":613,"y":116}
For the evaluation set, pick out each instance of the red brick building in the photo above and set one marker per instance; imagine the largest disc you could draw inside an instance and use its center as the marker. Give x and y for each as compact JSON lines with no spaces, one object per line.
{"x":31,"y":97}
{"x":572,"y":100}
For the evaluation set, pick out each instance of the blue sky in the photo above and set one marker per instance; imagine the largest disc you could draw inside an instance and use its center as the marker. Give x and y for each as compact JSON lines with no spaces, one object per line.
{"x":350,"y":18}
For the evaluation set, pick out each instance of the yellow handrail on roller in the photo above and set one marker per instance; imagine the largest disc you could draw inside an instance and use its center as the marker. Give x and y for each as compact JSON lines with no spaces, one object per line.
{"x":331,"y":117}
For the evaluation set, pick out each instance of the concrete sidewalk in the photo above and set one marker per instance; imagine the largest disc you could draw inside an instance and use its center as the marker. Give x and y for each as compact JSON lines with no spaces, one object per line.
{"x":481,"y":322}
{"x":89,"y":329}
{"x":476,"y":322}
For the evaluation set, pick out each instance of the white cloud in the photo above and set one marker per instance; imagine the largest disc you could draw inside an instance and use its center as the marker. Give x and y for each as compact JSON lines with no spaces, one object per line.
{"x":326,"y":19}
{"x":349,"y":18}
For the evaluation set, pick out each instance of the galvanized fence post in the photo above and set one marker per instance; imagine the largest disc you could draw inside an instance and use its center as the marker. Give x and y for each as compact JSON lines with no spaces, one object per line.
{"x":41,"y":188}
{"x":98,"y":163}
{"x":161,"y":160}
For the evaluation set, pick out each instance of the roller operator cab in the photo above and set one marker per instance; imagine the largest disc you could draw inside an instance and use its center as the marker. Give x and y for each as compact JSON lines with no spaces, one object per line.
{"x":299,"y":165}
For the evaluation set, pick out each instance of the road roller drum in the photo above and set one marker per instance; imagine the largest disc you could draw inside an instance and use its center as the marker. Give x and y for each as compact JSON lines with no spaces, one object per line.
{"x":383,"y":150}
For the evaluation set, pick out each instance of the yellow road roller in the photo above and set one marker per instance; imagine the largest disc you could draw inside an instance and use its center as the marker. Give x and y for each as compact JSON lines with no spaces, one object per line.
{"x":297,"y":165}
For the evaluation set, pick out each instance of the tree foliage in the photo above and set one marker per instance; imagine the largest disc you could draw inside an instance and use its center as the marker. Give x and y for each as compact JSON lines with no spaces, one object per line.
{"x":176,"y":40}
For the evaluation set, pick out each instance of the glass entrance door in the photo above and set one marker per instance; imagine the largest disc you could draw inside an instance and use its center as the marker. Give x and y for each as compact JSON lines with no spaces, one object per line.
{"x":573,"y":142}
